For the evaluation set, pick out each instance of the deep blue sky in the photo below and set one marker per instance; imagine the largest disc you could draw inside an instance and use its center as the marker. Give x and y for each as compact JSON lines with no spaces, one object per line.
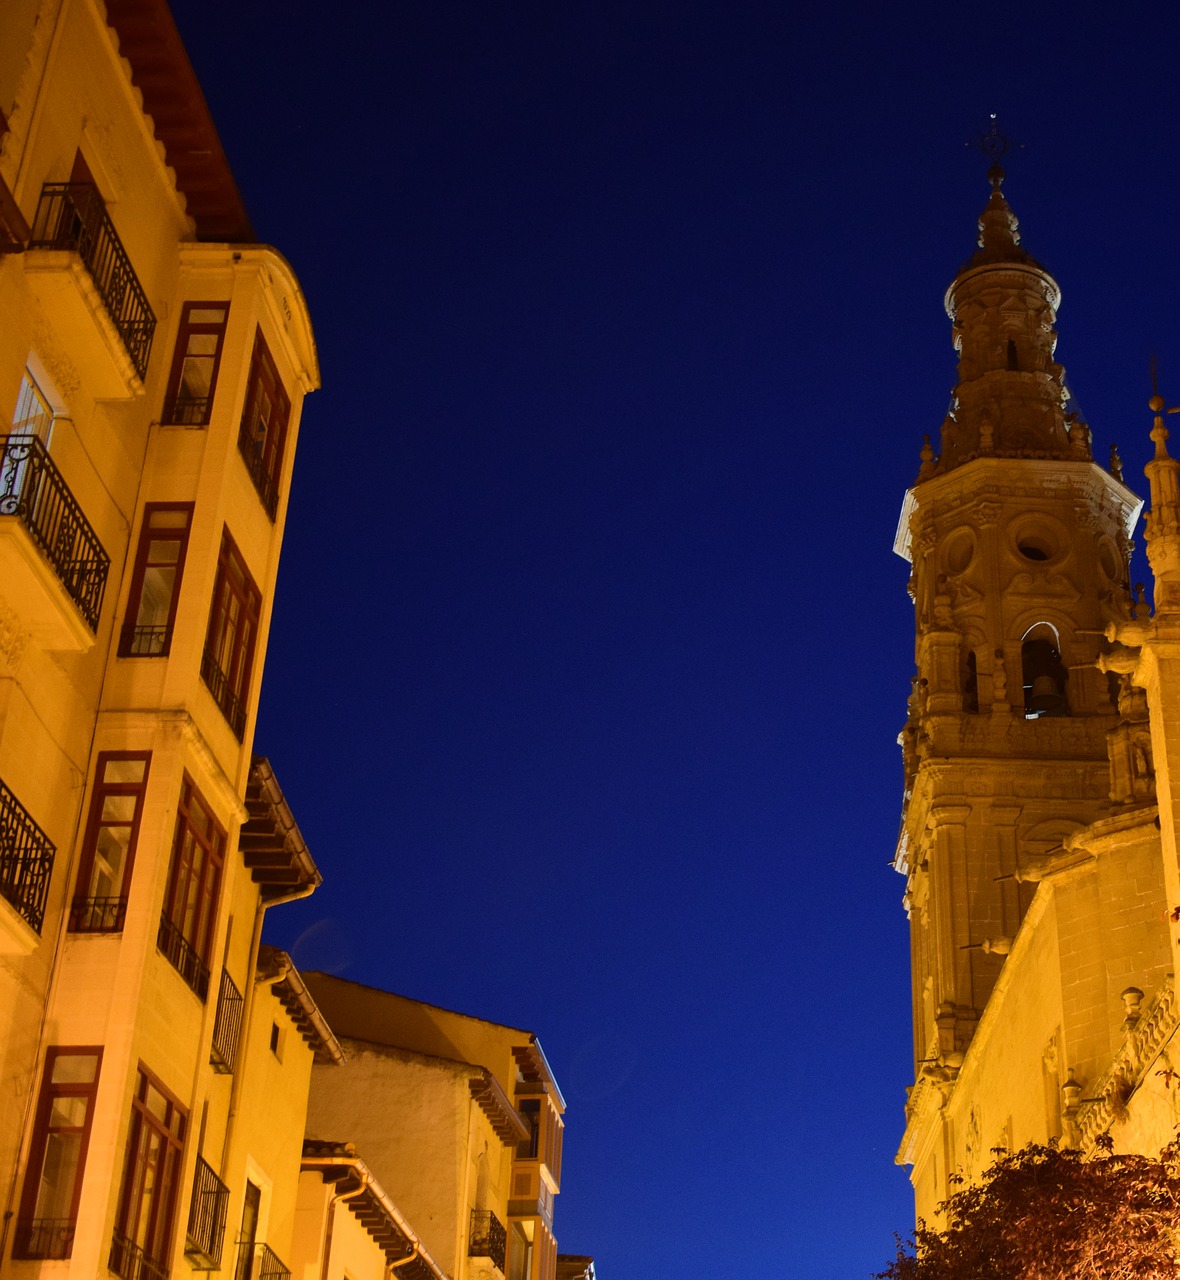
{"x":590,"y":650}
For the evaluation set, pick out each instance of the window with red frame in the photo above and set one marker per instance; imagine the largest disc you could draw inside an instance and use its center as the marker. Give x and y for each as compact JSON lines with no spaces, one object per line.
{"x":194,"y":880}
{"x":263,"y":432}
{"x":233,"y":630}
{"x":151,"y":1176}
{"x":188,"y":400}
{"x":57,"y":1154}
{"x":108,"y":849}
{"x":155,"y":580}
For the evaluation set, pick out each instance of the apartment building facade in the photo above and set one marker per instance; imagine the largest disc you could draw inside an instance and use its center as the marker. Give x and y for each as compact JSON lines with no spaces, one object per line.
{"x":154,"y":358}
{"x":459,"y":1117}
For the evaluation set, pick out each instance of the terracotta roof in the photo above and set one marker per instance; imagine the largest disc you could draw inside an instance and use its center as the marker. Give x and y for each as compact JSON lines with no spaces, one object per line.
{"x":534,"y":1067}
{"x":275,"y":967}
{"x":338,"y":1163}
{"x":162,"y":72}
{"x":495,"y":1104}
{"x":574,"y":1266}
{"x":270,"y":840}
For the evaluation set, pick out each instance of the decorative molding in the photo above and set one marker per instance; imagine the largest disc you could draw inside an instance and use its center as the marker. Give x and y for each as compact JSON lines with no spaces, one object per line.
{"x":13,"y":638}
{"x":1141,"y":1046}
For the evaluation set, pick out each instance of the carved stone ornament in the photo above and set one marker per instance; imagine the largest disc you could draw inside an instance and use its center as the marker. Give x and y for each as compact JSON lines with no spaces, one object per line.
{"x":13,"y":639}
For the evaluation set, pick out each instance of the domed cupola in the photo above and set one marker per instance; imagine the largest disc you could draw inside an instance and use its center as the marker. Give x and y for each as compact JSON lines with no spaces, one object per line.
{"x":1010,"y":399}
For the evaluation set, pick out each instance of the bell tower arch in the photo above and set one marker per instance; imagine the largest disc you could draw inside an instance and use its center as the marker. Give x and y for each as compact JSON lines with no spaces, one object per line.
{"x":1019,"y":544}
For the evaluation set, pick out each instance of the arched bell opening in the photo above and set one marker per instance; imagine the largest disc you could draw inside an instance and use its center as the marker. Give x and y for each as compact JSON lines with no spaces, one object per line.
{"x":1044,"y":674}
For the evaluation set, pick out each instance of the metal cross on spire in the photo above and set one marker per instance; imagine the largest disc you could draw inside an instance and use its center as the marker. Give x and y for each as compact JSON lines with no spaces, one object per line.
{"x":995,"y":145}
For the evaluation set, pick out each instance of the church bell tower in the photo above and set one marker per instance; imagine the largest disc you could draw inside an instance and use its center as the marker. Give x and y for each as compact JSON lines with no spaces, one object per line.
{"x":1019,"y":544}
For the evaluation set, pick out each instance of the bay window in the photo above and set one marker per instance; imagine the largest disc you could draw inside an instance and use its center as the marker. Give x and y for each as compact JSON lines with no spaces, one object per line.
{"x":108,"y":847}
{"x":151,"y":1174}
{"x":263,"y":433}
{"x":155,"y":580}
{"x":193,"y":380}
{"x":57,"y":1154}
{"x":233,"y":630}
{"x":194,"y":882}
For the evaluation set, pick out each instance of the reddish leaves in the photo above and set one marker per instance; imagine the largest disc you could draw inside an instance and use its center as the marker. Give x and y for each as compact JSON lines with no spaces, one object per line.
{"x":1046,"y":1214}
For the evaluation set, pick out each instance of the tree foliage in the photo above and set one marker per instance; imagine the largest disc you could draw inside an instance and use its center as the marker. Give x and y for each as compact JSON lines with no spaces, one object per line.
{"x":1048,"y":1214}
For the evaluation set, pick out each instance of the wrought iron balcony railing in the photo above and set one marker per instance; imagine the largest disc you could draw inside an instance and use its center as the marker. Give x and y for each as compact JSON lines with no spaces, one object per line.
{"x":49,"y":1238}
{"x":32,"y":489}
{"x":206,"y":1219}
{"x":128,"y":1260}
{"x":71,"y":215}
{"x":26,"y":859}
{"x":224,"y":694}
{"x":256,"y":465}
{"x":488,"y":1239}
{"x":183,"y":957}
{"x":98,"y":915}
{"x":260,"y":1262}
{"x":226,"y":1026}
{"x":144,"y":642}
{"x":187,"y":411}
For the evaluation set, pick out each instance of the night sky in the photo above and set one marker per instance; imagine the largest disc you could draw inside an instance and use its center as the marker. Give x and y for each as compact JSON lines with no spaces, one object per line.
{"x":590,"y":649}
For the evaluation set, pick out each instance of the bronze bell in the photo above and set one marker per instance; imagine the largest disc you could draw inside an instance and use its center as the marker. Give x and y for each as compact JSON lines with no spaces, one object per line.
{"x":1045,"y":696}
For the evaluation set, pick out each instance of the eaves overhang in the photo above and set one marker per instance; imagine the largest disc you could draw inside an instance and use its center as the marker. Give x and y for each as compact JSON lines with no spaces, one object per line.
{"x":276,"y":968}
{"x":339,"y":1165}
{"x":534,"y":1067}
{"x":496,"y":1105}
{"x":162,"y":72}
{"x":270,"y":841}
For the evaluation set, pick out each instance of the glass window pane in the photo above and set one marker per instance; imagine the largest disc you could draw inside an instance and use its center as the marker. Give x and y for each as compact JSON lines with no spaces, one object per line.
{"x":110,"y":857}
{"x":118,"y":808}
{"x":196,"y":377}
{"x":128,"y":771}
{"x":155,"y":1102}
{"x":164,"y":550}
{"x":59,"y":1171}
{"x":75,"y":1068}
{"x":33,"y":415}
{"x":68,"y":1112}
{"x":155,"y":600}
{"x":169,"y":519}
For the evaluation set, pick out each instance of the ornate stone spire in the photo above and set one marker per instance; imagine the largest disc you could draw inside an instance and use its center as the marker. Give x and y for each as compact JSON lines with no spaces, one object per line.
{"x":1162,"y":526}
{"x":1010,"y":398}
{"x":999,"y":229}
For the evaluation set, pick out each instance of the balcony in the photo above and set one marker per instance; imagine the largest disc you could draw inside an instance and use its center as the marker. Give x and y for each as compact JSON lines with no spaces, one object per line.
{"x":227,"y":1026}
{"x":128,"y":1260}
{"x":44,"y":1238}
{"x":205,"y":1234}
{"x":218,"y":684}
{"x":98,"y":915}
{"x":52,"y":564}
{"x":260,"y":1262}
{"x":26,"y":864}
{"x":183,"y":957}
{"x":487,"y":1239}
{"x":83,"y":278}
{"x":259,"y":472}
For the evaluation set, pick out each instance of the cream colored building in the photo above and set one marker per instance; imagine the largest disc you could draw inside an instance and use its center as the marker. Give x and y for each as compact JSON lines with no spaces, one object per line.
{"x":459,"y":1118}
{"x":155,"y":1056}
{"x":154,"y":358}
{"x":1040,"y":864}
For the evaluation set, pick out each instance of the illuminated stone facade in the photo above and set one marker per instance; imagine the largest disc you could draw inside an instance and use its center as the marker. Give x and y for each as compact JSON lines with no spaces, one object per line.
{"x":1041,"y":716}
{"x":154,"y":358}
{"x":461,"y":1120}
{"x":156,"y":1057}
